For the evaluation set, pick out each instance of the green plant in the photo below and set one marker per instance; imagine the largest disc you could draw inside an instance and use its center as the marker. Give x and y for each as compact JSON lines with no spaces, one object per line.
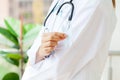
{"x":12,"y":33}
{"x":11,"y":76}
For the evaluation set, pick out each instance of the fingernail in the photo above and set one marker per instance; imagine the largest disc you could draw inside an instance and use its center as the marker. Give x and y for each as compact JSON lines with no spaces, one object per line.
{"x":65,"y":35}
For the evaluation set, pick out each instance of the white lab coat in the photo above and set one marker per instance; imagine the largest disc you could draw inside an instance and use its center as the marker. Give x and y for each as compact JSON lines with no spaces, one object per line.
{"x":82,"y":55}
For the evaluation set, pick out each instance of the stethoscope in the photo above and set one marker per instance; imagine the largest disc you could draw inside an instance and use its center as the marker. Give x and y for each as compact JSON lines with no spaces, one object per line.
{"x":59,"y":9}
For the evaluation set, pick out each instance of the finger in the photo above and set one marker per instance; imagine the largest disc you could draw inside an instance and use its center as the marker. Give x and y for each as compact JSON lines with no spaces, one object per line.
{"x":51,"y":38}
{"x":61,"y":35}
{"x":48,"y":50}
{"x":49,"y":44}
{"x":54,"y":36}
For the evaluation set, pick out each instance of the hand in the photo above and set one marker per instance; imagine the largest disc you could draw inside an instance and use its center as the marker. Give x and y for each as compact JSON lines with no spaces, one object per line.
{"x":48,"y":43}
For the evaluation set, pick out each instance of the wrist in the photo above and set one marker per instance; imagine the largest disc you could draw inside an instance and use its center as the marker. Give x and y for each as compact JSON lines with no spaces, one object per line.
{"x":39,"y":57}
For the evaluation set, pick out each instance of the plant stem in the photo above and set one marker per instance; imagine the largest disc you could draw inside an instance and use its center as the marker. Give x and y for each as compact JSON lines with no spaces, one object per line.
{"x":114,"y":3}
{"x":21,"y":46}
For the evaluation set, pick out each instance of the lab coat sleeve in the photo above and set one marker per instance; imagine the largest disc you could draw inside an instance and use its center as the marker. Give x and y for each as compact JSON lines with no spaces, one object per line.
{"x":89,"y":32}
{"x":33,"y":50}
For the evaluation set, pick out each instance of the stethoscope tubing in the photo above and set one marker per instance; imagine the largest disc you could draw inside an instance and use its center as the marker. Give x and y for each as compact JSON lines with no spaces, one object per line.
{"x":69,"y":19}
{"x":71,"y":15}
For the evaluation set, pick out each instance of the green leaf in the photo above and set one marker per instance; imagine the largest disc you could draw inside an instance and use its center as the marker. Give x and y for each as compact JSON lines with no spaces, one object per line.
{"x":25,"y":58}
{"x":16,"y":47}
{"x":10,"y":23}
{"x":12,"y":58}
{"x":30,"y":36}
{"x":11,"y":76}
{"x":2,"y":53}
{"x":12,"y":61}
{"x":16,"y":56}
{"x":9,"y":36}
{"x":28,"y":27}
